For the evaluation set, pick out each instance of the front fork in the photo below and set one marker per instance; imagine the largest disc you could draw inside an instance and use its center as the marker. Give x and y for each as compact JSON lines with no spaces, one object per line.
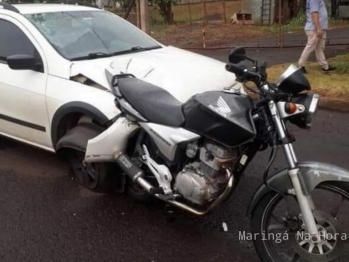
{"x":305,"y":202}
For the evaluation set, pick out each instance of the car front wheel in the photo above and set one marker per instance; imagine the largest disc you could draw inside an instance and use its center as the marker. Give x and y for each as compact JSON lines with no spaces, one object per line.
{"x":97,"y":177}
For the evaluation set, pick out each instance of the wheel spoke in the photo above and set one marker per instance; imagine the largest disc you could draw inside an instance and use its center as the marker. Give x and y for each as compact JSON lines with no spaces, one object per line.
{"x":296,"y":258}
{"x":303,"y":242}
{"x":92,"y":173}
{"x":321,"y":250}
{"x":311,"y":248}
{"x":328,"y":245}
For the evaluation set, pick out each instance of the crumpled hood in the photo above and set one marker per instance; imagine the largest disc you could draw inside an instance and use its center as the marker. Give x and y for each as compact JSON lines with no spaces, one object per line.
{"x":180,"y":72}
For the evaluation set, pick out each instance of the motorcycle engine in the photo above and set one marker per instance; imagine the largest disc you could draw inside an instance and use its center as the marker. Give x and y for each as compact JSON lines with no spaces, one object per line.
{"x":203,"y":181}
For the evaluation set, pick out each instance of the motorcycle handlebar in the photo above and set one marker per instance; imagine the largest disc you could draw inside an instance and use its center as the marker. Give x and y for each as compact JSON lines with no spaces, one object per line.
{"x":237,"y":70}
{"x":242,"y":72}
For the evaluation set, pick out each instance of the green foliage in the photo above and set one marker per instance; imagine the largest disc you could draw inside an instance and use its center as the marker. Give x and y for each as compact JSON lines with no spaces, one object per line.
{"x":342,"y":68}
{"x":165,"y":9}
{"x":296,"y":22}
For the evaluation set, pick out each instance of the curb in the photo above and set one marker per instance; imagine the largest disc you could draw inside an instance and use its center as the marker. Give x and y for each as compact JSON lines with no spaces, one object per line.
{"x":324,"y":103}
{"x":334,"y":105}
{"x":258,"y":46}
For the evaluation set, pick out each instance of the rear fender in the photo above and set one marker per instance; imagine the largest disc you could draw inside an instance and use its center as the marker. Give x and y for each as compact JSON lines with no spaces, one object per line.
{"x":310,"y":175}
{"x":77,"y":137}
{"x":113,"y":140}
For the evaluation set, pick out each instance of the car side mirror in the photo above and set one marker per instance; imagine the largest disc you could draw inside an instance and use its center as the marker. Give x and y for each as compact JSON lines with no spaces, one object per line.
{"x":23,"y":62}
{"x":237,"y":55}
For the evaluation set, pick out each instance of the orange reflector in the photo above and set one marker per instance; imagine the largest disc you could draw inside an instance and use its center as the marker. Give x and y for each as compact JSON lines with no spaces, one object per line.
{"x":290,"y":108}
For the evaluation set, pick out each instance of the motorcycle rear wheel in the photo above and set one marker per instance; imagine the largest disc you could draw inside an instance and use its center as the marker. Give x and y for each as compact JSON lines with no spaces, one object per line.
{"x":290,"y":227}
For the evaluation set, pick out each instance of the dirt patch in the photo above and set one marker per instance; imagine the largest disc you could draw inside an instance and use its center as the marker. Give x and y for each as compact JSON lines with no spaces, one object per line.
{"x":215,"y":34}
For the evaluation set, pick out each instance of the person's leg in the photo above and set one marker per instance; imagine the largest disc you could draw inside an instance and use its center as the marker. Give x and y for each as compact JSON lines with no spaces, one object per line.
{"x":309,"y":48}
{"x":319,"y":52}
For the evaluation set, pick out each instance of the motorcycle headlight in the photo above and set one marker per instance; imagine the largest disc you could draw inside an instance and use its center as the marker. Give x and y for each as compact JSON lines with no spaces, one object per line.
{"x":310,"y":102}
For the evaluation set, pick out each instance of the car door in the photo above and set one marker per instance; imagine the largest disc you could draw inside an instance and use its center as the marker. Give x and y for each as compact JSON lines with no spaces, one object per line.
{"x":23,"y":112}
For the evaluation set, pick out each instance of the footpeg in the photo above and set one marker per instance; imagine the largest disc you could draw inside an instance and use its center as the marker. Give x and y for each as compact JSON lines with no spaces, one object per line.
{"x":157,"y":191}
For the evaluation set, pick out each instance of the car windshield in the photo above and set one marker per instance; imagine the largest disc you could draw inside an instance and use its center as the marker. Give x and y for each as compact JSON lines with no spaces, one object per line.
{"x":79,"y":35}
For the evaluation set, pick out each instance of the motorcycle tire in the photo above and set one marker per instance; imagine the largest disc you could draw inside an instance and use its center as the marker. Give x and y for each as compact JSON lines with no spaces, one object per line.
{"x":263,"y":212}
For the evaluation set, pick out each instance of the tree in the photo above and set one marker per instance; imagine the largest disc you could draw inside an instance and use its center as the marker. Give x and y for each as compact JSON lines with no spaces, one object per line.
{"x":334,"y":8}
{"x":124,"y":4}
{"x":165,"y":8}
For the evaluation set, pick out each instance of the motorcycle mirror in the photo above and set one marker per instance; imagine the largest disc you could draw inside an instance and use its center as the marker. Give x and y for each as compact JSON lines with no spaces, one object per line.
{"x":237,"y":55}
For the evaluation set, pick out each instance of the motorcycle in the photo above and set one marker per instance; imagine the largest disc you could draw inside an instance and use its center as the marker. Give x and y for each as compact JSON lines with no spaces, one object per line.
{"x":193,"y":155}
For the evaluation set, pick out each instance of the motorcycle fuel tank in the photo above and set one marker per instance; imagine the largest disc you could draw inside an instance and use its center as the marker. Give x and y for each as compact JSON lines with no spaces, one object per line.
{"x":220,"y":116}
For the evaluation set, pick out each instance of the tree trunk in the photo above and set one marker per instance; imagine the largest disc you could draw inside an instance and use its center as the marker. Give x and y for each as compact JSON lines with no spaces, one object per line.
{"x":334,"y":8}
{"x":169,"y":13}
{"x":166,"y":12}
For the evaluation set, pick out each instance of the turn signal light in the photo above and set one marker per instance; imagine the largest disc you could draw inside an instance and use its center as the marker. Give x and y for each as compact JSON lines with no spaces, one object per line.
{"x":290,"y":108}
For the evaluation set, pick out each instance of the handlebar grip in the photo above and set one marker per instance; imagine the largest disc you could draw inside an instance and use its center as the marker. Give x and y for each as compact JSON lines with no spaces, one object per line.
{"x":237,"y":70}
{"x":242,"y":72}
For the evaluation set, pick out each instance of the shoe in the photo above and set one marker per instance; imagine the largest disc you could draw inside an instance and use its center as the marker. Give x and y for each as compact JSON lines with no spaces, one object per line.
{"x":303,"y":70}
{"x":329,"y":69}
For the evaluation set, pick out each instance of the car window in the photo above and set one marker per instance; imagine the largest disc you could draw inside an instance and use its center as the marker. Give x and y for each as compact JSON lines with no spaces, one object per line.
{"x":14,"y":41}
{"x":80,"y":33}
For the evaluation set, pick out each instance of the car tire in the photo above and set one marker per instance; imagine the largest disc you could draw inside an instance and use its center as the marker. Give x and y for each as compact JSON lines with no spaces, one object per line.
{"x":97,"y":177}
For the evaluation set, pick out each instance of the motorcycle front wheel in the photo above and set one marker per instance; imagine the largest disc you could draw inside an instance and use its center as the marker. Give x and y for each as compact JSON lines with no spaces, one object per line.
{"x":279,"y":234}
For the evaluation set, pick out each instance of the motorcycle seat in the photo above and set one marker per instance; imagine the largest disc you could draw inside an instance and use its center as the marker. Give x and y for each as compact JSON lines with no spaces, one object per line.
{"x":153,"y":102}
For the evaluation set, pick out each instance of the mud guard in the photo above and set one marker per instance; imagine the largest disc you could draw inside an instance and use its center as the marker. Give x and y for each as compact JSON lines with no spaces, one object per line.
{"x":77,"y":137}
{"x":310,"y":175}
{"x":103,"y":147}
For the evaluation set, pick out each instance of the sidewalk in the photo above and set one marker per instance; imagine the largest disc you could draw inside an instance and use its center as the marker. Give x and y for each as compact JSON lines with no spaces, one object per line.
{"x":274,"y":56}
{"x":334,"y":37}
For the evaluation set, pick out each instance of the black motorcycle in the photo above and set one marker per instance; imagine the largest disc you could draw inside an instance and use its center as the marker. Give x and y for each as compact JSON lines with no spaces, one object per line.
{"x":193,"y":155}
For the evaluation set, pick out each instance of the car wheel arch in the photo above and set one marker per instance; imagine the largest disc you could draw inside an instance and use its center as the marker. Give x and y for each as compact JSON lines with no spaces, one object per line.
{"x":68,"y":115}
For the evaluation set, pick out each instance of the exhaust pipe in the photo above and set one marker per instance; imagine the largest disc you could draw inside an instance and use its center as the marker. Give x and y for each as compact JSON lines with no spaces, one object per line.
{"x":137,"y":176}
{"x":127,"y":165}
{"x":135,"y":173}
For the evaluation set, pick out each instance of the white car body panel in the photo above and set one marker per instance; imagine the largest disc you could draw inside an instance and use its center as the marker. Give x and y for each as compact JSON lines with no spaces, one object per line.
{"x":35,"y":97}
{"x":62,"y":91}
{"x":180,"y":72}
{"x":23,"y":97}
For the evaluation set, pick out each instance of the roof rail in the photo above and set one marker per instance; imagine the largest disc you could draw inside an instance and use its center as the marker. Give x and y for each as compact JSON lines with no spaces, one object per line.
{"x":7,"y":6}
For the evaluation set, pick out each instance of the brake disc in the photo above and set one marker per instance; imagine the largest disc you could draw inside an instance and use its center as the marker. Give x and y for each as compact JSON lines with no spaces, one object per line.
{"x":328,"y":248}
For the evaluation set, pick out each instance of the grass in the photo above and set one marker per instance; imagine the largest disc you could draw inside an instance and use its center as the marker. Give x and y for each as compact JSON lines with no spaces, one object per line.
{"x":334,"y":85}
{"x":296,"y":25}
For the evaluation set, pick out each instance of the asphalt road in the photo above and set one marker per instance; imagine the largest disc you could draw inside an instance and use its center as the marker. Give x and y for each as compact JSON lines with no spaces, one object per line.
{"x":275,"y":56}
{"x":47,"y":217}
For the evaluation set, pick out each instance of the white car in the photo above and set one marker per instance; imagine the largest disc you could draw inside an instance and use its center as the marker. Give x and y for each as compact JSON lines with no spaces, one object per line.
{"x":54,"y":89}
